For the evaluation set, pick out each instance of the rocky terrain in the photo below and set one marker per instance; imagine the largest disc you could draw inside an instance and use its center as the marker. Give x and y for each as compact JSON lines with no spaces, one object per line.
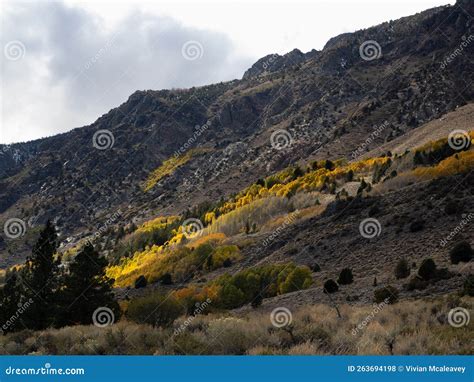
{"x":328,"y":102}
{"x":351,"y":164}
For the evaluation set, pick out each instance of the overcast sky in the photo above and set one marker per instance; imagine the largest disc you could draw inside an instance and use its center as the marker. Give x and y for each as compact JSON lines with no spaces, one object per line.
{"x":66,"y":63}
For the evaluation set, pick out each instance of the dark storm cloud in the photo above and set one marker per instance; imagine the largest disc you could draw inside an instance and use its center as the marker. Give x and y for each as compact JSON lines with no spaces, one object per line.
{"x":74,"y":69}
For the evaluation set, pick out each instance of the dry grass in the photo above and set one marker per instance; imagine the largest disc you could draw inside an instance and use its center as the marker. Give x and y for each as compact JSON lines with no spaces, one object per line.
{"x":410,"y":327}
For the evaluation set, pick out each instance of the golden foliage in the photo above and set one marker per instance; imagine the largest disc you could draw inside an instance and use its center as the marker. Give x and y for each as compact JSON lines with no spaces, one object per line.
{"x":217,"y":237}
{"x":170,"y":165}
{"x":438,"y":144}
{"x":456,"y":164}
{"x":285,"y":184}
{"x":255,"y":212}
{"x":178,"y":261}
{"x":157,"y":223}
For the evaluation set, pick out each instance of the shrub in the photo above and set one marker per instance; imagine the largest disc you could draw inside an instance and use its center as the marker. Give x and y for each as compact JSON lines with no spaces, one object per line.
{"x":269,"y":280}
{"x":316,"y":268}
{"x":374,"y":210}
{"x":427,"y":270}
{"x":155,"y":309}
{"x":257,"y":301}
{"x":299,"y":278}
{"x":231,"y":297}
{"x":417,"y":225}
{"x":223,"y":256}
{"x":402,"y":269}
{"x":349,"y":176}
{"x":451,"y":207}
{"x":328,"y":165}
{"x":186,"y":343}
{"x":416,"y":283}
{"x":461,"y":252}
{"x":362,"y":187}
{"x":330,"y":286}
{"x":468,"y":286}
{"x":345,"y":277}
{"x":443,"y":274}
{"x":166,"y":279}
{"x":388,"y":294}
{"x":202,"y":253}
{"x":140,"y":282}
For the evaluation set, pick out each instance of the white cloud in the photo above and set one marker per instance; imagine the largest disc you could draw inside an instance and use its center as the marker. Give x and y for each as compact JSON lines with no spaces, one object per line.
{"x":84,"y":57}
{"x":74,"y":69}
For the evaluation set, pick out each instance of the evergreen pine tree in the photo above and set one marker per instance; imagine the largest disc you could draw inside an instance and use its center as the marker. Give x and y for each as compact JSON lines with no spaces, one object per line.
{"x":40,"y":276}
{"x":86,"y":288}
{"x":11,"y":298}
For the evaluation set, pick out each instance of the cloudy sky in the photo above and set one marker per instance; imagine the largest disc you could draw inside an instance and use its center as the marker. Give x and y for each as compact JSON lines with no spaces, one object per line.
{"x":66,"y":63}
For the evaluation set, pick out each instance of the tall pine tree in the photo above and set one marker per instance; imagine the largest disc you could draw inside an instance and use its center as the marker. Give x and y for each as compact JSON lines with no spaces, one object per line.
{"x":40,"y":279}
{"x":86,"y":288}
{"x":11,"y":298}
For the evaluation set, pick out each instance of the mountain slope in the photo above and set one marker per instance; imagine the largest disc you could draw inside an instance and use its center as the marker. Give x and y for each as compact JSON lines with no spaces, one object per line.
{"x":327,"y":103}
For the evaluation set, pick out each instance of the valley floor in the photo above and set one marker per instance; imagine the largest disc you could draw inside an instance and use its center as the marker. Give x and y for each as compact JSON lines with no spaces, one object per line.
{"x":423,"y":326}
